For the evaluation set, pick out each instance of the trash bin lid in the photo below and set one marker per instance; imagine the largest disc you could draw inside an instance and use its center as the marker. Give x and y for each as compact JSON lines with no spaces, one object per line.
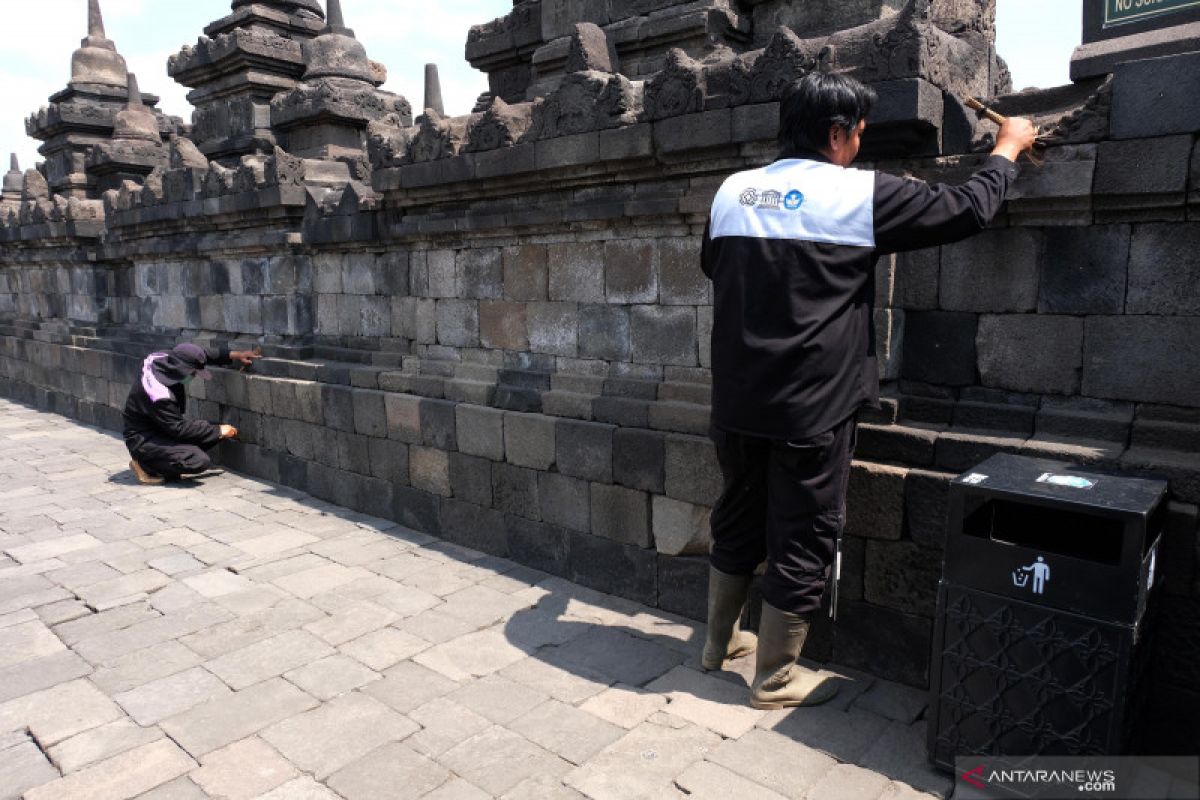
{"x":1026,"y":477}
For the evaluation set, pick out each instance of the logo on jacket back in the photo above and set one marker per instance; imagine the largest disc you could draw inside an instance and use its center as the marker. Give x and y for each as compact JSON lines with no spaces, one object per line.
{"x":771,"y":200}
{"x":749,"y":198}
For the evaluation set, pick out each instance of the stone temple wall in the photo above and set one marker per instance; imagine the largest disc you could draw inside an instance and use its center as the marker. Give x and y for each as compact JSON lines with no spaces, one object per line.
{"x":501,"y":337}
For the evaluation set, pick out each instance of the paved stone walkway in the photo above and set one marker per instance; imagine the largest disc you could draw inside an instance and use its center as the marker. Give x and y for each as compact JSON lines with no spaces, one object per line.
{"x":235,"y":639}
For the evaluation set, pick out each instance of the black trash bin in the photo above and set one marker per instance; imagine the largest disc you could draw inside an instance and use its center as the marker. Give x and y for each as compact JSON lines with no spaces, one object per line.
{"x":1040,"y":639}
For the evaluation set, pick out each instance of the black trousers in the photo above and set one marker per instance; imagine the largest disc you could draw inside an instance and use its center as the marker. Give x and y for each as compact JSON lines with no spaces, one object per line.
{"x":783,"y":502}
{"x":168,"y":458}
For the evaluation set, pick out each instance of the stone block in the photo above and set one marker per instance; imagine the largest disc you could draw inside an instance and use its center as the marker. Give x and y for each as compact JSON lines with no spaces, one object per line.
{"x":439,"y":423}
{"x":1144,"y":359}
{"x":631,"y":271}
{"x":515,"y":491}
{"x":604,"y":332}
{"x":458,"y":323}
{"x":680,"y":528}
{"x":479,"y":431}
{"x":755,"y":123}
{"x":1162,"y":267}
{"x":415,"y":509}
{"x":565,"y":501}
{"x":1144,"y":167}
{"x":939,"y":347}
{"x":1084,"y":270}
{"x":620,"y":514}
{"x":471,"y":479}
{"x":1152,"y":97}
{"x":1004,"y":343}
{"x":627,"y":142}
{"x":875,"y":501}
{"x":994,"y":271}
{"x":683,"y":586}
{"x":692,"y":472}
{"x":503,"y":325}
{"x":576,"y":272}
{"x":1178,"y":556}
{"x":925,"y":506}
{"x":639,"y":459}
{"x":903,"y":576}
{"x":567,"y":151}
{"x":473,"y":526}
{"x":889,"y":342}
{"x":129,"y":774}
{"x":526,"y":271}
{"x":537,"y":544}
{"x":337,"y":407}
{"x":680,"y":279}
{"x":884,"y":642}
{"x":389,"y":460}
{"x":429,"y":470}
{"x":442,"y":273}
{"x":553,"y":328}
{"x":584,"y":449}
{"x":370,"y":418}
{"x":480,"y":273}
{"x":353,"y":453}
{"x":403,"y":414}
{"x":664,"y":335}
{"x":614,"y":568}
{"x":694,"y":131}
{"x":529,"y":440}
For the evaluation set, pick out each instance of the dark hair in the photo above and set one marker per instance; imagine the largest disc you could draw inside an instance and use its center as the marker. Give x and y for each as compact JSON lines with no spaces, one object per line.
{"x":814,"y":104}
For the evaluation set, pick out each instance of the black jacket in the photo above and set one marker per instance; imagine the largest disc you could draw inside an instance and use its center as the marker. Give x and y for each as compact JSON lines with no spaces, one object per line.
{"x":791,"y":250}
{"x":149,"y":420}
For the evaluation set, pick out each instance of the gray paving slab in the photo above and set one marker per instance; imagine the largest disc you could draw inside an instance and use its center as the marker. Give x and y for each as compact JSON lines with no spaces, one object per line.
{"x":238,"y":639}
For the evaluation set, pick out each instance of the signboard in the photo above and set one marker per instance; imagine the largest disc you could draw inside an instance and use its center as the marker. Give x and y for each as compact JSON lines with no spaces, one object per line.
{"x":1120,"y":11}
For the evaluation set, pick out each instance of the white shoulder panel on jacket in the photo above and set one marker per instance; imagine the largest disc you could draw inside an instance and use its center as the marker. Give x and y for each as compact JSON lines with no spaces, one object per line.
{"x":798,"y":199}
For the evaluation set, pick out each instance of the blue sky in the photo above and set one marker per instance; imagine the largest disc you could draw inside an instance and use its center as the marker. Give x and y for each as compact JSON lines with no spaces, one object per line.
{"x":1035,"y":37}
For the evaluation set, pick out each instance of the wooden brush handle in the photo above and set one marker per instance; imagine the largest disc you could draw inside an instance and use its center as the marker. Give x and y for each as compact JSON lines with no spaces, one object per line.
{"x":975,"y":105}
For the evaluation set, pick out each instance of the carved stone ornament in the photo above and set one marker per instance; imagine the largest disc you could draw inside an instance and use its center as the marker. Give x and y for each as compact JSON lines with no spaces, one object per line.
{"x":437,"y":137}
{"x":786,"y":59}
{"x":501,"y":125}
{"x":679,"y":88}
{"x":585,"y":102}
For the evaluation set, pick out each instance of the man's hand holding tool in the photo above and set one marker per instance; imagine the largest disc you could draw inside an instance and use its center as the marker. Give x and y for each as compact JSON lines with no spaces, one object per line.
{"x":1017,"y":135}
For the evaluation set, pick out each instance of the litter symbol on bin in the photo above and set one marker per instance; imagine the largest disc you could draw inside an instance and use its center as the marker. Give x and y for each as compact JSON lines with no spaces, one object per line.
{"x":1039,"y":570}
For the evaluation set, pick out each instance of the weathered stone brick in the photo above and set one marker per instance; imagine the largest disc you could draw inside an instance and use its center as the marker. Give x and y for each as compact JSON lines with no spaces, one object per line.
{"x":502,"y":325}
{"x":584,"y":449}
{"x":354,"y":453}
{"x":415,"y":509}
{"x":916,"y":282}
{"x":403,"y":414}
{"x":529,"y":440}
{"x":473,"y":526}
{"x":537,"y":544}
{"x":338,"y":407}
{"x":479,"y":431}
{"x":576,"y":272}
{"x":639,"y":459}
{"x":358,"y":273}
{"x":458,"y":323}
{"x":925,"y":498}
{"x":691,"y":469}
{"x":903,"y":576}
{"x":664,"y":335}
{"x":620,"y":514}
{"x":680,"y":279}
{"x":526,"y":270}
{"x":1141,"y":358}
{"x":939,"y":347}
{"x":515,"y":491}
{"x":1140,"y":167}
{"x":1162,"y":271}
{"x":553,"y":328}
{"x":680,"y":528}
{"x":429,"y":470}
{"x":624,"y":570}
{"x":875,"y":501}
{"x":370,"y":419}
{"x":995,"y":271}
{"x":480,"y":273}
{"x":1005,"y":341}
{"x":389,"y":460}
{"x":631,"y":271}
{"x":415,"y":318}
{"x":564,"y":501}
{"x":471,"y":479}
{"x":604,"y":332}
{"x":438,"y":423}
{"x":1084,"y":270}
{"x":442,"y":273}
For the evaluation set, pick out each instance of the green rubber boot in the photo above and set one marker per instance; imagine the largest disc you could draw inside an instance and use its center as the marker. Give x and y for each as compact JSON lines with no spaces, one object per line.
{"x":779,"y":682}
{"x":726,"y":640}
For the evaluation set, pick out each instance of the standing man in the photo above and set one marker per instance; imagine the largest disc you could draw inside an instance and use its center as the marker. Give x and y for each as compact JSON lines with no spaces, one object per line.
{"x":791,"y":250}
{"x":164,"y":444}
